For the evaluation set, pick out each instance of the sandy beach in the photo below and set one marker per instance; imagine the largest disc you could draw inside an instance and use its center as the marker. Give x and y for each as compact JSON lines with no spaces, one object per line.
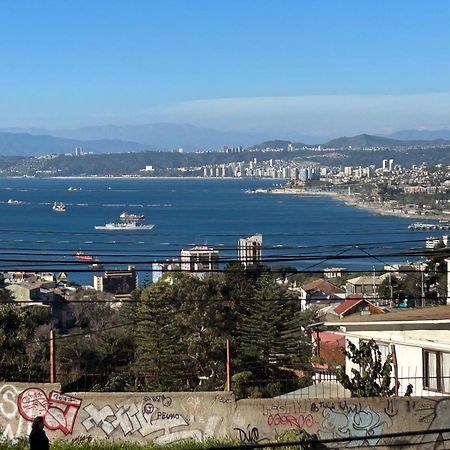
{"x":353,"y":201}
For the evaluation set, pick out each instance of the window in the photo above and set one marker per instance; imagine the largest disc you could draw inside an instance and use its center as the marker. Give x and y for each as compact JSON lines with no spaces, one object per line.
{"x":436,"y":371}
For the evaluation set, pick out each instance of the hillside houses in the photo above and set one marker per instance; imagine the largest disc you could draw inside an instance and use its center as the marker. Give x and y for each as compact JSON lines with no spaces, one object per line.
{"x":418,"y":340}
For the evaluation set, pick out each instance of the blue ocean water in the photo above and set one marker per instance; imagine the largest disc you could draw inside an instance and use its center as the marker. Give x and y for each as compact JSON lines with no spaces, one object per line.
{"x":186,"y":212}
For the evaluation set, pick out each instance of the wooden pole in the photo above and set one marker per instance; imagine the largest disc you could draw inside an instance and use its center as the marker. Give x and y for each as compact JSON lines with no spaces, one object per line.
{"x":52,"y":357}
{"x":228,"y":387}
{"x":395,"y":364}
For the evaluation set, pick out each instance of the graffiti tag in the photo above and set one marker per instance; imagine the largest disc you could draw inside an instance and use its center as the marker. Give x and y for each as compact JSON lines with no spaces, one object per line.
{"x":58,"y":410}
{"x":249,"y":436}
{"x":300,"y":421}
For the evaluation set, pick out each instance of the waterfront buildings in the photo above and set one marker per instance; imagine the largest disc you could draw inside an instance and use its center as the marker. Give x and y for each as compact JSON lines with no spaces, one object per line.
{"x":120,"y":283}
{"x":159,"y":269}
{"x":199,"y":259}
{"x":250,"y":250}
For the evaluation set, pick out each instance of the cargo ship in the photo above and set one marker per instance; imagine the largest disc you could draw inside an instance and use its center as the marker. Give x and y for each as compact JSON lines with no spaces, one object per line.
{"x":127,"y":226}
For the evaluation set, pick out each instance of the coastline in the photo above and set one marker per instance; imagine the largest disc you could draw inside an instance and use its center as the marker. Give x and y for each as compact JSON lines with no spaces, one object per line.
{"x":357,"y":203}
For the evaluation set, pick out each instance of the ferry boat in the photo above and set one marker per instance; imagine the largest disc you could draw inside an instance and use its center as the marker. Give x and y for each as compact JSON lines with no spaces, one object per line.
{"x":128,"y":226}
{"x":59,"y":207}
{"x":127,"y":217}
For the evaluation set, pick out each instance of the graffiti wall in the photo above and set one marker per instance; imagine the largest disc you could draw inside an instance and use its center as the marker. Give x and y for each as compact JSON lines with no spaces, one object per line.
{"x":362,"y":419}
{"x":170,"y":417}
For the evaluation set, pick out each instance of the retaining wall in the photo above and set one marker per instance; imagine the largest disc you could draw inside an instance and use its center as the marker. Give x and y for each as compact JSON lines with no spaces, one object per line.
{"x":169,"y":417}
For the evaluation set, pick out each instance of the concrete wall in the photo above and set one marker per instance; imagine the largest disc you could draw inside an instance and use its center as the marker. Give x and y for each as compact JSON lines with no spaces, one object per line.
{"x":169,"y":417}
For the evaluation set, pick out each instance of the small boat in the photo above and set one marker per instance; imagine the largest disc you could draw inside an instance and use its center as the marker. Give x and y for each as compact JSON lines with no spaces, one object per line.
{"x":127,"y":217}
{"x":71,"y":188}
{"x":11,"y":201}
{"x":97,"y":265}
{"x":59,"y":207}
{"x":83,"y":257}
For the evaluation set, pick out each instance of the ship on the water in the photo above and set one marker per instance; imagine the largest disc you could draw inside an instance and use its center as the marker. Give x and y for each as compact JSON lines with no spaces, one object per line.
{"x":119,"y":226}
{"x":94,"y":262}
{"x":83,"y":257}
{"x":59,"y":207}
{"x":441,"y":225}
{"x":127,"y":217}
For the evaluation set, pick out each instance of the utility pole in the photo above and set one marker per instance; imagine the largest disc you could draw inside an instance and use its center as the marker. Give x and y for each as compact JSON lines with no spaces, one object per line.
{"x":228,"y":385}
{"x":423,"y":291}
{"x":52,"y":357}
{"x":374,"y":287}
{"x":391,"y":291}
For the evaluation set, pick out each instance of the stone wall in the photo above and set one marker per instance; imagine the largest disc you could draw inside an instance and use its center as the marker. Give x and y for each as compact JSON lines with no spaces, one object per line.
{"x":169,"y":417}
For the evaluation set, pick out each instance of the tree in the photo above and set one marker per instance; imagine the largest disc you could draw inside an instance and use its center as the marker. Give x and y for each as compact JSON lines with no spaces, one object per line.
{"x":203,"y":319}
{"x":20,"y":358}
{"x":271,"y":340}
{"x":373,"y":379}
{"x":160,"y":353}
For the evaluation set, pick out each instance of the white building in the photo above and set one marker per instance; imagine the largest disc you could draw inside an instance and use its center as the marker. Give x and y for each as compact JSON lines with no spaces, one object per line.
{"x":334,"y":272}
{"x":418,"y":340}
{"x":199,"y":258}
{"x":388,"y":165}
{"x":250,"y":250}
{"x":159,"y":269}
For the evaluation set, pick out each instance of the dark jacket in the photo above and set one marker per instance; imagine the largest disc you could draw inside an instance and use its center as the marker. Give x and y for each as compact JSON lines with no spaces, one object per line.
{"x":38,"y":440}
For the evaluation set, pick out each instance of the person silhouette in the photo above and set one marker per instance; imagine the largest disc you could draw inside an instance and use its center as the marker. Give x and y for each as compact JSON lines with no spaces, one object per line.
{"x":38,"y":439}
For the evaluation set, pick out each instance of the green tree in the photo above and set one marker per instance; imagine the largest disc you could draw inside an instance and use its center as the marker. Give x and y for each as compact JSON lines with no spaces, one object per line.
{"x":270,"y":332}
{"x":20,"y":358}
{"x":373,"y":378}
{"x":203,"y":319}
{"x":159,"y":353}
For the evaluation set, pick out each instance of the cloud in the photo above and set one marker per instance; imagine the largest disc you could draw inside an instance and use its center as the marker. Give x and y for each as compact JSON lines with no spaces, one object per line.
{"x":318,"y":115}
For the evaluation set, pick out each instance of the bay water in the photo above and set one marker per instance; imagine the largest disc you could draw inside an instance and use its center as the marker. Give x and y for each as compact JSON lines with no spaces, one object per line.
{"x":187,"y":212}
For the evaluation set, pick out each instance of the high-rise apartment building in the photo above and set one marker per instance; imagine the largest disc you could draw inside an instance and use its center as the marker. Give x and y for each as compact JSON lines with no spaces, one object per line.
{"x":159,"y":269}
{"x":199,"y":258}
{"x":250,"y":250}
{"x":120,"y":283}
{"x":388,"y":165}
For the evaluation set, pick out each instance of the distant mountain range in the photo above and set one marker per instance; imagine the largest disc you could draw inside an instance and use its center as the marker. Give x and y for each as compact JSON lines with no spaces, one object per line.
{"x":25,"y":144}
{"x":162,"y":136}
{"x":367,"y":140}
{"x":355,"y":142}
{"x":427,"y":135}
{"x":166,"y":136}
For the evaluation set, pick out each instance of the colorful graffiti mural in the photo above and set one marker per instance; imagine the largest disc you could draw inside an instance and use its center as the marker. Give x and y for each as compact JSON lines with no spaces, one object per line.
{"x":169,"y":417}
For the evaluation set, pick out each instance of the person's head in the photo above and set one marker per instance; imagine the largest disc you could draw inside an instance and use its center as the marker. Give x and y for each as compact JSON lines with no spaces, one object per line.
{"x":38,"y":422}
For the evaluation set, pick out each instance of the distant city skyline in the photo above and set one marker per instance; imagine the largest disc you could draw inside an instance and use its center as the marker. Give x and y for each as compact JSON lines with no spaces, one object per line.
{"x":321,"y":69}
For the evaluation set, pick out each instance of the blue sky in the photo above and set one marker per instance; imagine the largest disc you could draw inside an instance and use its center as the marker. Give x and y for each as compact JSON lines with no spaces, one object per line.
{"x":313,"y":67}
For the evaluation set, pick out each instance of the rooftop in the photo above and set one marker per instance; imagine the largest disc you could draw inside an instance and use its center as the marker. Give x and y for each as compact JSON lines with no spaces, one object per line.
{"x":323,"y":286}
{"x":434,"y":313}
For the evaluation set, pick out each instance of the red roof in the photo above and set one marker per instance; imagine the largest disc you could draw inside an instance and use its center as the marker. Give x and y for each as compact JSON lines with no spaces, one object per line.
{"x":321,"y":285}
{"x":349,"y":306}
{"x":344,"y":306}
{"x":331,"y":346}
{"x":329,"y":338}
